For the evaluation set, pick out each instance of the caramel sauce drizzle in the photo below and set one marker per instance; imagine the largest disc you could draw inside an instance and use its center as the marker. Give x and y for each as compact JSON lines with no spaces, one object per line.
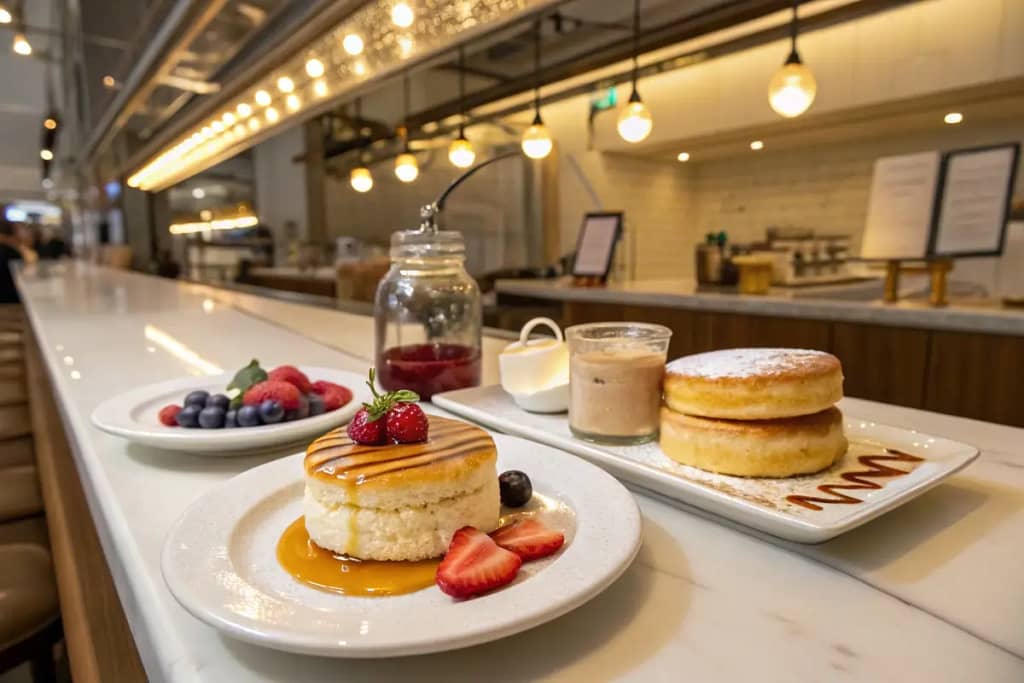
{"x":860,"y":480}
{"x":337,"y":456}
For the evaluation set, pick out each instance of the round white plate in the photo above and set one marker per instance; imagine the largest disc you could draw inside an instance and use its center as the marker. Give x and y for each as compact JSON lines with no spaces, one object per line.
{"x":219,"y":561}
{"x":133,"y":415}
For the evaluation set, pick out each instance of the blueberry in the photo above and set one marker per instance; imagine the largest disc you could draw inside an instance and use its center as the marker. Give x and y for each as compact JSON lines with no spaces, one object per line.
{"x":211,"y":418}
{"x":189,"y":416}
{"x":316,"y":404}
{"x":230,"y":419}
{"x":271,"y":412}
{"x":516,"y":489}
{"x":298,"y":413}
{"x":218,"y":401}
{"x":248,"y":416}
{"x":197,"y":398}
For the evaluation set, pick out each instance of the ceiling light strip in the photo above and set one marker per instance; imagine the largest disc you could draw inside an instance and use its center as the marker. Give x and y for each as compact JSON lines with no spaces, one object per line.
{"x":292,"y":92}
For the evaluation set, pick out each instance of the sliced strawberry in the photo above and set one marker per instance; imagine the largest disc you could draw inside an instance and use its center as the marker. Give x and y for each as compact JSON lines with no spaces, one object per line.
{"x":292,"y":375}
{"x":474,"y":564}
{"x":529,"y":539}
{"x":335,"y":396}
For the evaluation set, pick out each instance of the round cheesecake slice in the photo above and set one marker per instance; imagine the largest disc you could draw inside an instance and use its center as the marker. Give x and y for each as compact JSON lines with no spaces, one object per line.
{"x":754,"y":384}
{"x":783,"y":447}
{"x":400,"y":501}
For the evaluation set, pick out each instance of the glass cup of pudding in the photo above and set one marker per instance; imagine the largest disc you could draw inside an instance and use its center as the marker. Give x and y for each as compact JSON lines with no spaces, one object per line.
{"x":615,"y":376}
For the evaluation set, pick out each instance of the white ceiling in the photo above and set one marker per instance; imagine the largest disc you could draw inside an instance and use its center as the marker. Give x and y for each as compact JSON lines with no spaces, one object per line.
{"x":23,"y":104}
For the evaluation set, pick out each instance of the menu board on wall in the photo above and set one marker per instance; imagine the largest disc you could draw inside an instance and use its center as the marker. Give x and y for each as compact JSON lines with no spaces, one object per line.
{"x":901,"y":206}
{"x":935,"y":204}
{"x":976,"y":191}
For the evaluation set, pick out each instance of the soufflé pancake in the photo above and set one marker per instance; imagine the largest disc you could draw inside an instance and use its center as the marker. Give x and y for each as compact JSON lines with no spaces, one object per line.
{"x":755,"y":448}
{"x":754,"y":384}
{"x":400,"y":501}
{"x":754,"y":412}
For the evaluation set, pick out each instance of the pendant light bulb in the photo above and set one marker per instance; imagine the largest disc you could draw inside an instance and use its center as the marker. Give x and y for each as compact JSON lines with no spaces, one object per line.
{"x":5,"y":15}
{"x":461,"y":152}
{"x":361,"y":179}
{"x":635,"y":122}
{"x":536,"y":140}
{"x":792,"y":88}
{"x":21,"y":45}
{"x":406,"y":167}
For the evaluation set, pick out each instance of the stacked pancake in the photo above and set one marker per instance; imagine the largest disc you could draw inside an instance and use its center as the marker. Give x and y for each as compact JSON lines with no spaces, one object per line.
{"x":754,"y":412}
{"x":400,"y":501}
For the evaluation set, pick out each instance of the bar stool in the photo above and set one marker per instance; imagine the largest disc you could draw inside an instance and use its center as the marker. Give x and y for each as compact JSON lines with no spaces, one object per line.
{"x":29,"y":608}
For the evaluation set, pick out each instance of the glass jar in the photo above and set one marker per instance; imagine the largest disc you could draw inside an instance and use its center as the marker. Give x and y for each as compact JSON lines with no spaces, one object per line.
{"x":615,"y":376}
{"x":428,"y":315}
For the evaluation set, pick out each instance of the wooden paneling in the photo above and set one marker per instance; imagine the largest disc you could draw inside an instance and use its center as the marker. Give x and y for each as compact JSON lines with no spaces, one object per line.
{"x":99,"y":644}
{"x":729,"y":330}
{"x":681,"y":323}
{"x":976,"y":375}
{"x":882,"y":363}
{"x":577,"y":313}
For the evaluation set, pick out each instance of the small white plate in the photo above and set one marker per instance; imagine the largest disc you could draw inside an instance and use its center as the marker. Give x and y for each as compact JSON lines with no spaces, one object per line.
{"x":219,"y":561}
{"x":763,"y":504}
{"x":133,"y":416}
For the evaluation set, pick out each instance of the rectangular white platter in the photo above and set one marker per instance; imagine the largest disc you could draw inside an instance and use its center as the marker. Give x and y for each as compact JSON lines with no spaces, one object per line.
{"x":887,"y":479}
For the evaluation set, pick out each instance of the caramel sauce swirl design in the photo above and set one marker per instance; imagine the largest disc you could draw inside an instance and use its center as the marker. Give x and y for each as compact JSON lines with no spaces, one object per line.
{"x":860,"y":480}
{"x":336,"y":456}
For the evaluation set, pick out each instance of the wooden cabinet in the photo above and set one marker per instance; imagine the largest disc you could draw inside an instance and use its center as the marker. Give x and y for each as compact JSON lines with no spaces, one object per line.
{"x":976,"y":375}
{"x":882,"y":363}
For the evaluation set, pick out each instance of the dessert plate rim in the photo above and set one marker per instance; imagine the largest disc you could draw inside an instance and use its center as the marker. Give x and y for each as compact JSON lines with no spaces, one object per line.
{"x":197,"y":568}
{"x":117,"y":415}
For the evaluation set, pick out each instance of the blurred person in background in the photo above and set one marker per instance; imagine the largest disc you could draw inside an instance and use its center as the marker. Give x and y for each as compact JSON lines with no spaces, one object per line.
{"x":9,"y":252}
{"x":51,"y":245}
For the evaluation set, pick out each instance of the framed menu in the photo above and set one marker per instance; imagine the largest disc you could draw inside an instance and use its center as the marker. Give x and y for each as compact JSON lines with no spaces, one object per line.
{"x":901,"y":206}
{"x":595,"y":246}
{"x":977,"y":189}
{"x":952,"y":204}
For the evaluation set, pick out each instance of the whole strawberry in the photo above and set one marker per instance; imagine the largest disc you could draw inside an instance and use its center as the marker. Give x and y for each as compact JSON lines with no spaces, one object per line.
{"x":367,"y":430}
{"x":372,"y":423}
{"x":407,"y":423}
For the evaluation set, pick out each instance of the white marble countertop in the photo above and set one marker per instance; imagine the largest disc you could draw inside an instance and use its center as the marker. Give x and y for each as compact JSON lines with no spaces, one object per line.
{"x":932,"y":591}
{"x":853,"y":302}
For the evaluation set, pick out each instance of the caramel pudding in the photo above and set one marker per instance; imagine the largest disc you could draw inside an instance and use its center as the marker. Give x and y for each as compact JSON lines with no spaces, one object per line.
{"x":615,"y":393}
{"x":401,"y":501}
{"x":329,"y":571}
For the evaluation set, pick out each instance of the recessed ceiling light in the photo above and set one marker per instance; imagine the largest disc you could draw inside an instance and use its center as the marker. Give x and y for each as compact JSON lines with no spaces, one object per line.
{"x":683,"y":156}
{"x":756,"y":145}
{"x":262,"y":98}
{"x":402,"y":15}
{"x":315,"y":68}
{"x":199,"y":193}
{"x":285,"y":84}
{"x":953,"y":117}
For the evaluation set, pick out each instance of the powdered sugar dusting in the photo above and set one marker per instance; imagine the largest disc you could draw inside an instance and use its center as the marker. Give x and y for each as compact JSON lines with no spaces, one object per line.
{"x":743,"y":362}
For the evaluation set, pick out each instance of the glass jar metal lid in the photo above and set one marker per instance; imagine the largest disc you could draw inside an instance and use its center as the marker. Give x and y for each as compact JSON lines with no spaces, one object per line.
{"x":427,"y":244}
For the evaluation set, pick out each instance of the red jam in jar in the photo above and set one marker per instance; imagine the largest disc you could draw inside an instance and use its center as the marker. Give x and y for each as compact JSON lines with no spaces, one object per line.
{"x":429,"y":369}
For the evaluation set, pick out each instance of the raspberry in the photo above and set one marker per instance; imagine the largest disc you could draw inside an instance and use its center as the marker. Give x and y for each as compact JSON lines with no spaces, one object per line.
{"x":292,"y":375}
{"x":168,"y":415}
{"x":335,"y":396}
{"x":283,"y":392}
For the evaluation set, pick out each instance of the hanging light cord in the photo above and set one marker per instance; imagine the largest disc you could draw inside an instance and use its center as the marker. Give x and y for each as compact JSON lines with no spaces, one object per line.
{"x":536,"y":74}
{"x":405,"y":108}
{"x":794,"y":56}
{"x":635,"y":96}
{"x":462,"y":93}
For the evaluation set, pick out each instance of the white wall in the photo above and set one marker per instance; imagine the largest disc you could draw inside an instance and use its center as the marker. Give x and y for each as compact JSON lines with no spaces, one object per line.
{"x":281,"y":186}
